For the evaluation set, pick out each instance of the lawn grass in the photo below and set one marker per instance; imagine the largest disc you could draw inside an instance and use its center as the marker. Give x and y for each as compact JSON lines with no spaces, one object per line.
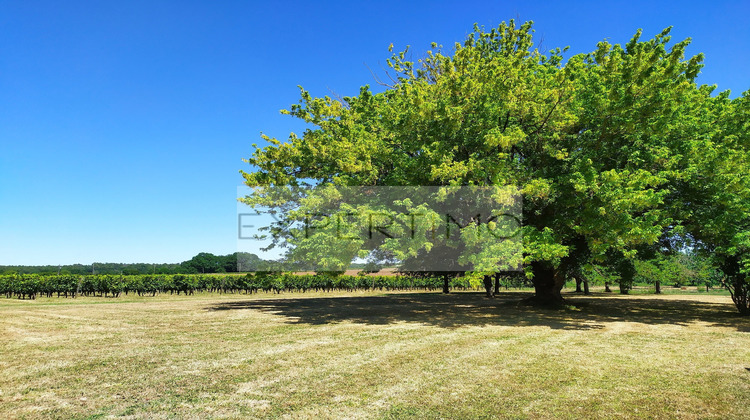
{"x":374,"y":355}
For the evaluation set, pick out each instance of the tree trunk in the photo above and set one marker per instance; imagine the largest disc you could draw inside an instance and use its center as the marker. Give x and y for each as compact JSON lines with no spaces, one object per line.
{"x":740,"y":292}
{"x":658,"y":287}
{"x":488,"y":286}
{"x":581,"y":280}
{"x":497,"y":283}
{"x":624,"y":288}
{"x":446,"y":284}
{"x":547,"y":285}
{"x":626,"y":269}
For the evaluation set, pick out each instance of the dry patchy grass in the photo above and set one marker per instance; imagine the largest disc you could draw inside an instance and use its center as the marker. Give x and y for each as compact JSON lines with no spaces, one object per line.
{"x":369,"y":355}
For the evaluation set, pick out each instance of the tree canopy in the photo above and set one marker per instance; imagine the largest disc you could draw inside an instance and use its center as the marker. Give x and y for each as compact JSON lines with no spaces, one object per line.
{"x":611,"y":151}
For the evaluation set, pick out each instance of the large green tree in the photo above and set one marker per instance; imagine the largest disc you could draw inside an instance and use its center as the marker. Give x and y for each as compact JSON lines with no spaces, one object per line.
{"x":595,"y":144}
{"x":713,"y":204}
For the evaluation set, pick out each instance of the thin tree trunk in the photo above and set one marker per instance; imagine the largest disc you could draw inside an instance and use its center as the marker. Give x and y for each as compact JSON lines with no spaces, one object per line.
{"x":658,"y":287}
{"x":488,"y":286}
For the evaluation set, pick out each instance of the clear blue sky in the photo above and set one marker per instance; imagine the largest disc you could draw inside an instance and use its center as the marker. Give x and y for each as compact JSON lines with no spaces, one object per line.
{"x":123,"y":124}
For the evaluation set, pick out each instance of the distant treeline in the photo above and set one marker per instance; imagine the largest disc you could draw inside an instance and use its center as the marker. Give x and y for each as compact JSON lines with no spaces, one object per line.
{"x":202,"y":263}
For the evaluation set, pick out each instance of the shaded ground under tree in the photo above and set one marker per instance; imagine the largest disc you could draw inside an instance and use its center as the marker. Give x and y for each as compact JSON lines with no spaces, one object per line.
{"x":470,"y":309}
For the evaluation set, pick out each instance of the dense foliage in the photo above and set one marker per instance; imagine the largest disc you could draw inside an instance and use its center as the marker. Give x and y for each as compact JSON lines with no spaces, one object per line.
{"x":613,"y":151}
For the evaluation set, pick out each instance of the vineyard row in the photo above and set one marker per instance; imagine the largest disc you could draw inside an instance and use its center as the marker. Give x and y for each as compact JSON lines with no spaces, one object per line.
{"x":29,"y":286}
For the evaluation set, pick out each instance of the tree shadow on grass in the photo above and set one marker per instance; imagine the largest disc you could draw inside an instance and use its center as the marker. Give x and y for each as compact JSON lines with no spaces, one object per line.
{"x":473,"y":309}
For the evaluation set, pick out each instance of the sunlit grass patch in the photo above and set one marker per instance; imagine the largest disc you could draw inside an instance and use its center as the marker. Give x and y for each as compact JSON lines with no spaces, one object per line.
{"x":374,"y":355}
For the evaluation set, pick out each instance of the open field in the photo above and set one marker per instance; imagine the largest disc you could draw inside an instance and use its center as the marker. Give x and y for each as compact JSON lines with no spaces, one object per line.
{"x":371,"y":355}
